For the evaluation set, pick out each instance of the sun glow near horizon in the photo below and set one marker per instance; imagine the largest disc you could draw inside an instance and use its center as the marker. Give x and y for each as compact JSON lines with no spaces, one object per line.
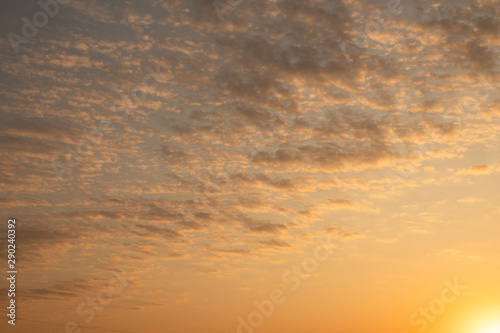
{"x":495,"y":328}
{"x":481,"y":317}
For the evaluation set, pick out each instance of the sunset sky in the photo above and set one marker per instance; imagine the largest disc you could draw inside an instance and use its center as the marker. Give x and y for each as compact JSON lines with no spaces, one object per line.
{"x":171,"y":164}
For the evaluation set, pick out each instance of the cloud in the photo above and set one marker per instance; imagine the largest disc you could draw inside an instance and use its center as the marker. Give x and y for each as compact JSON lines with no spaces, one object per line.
{"x":146,"y":305}
{"x":352,"y":235}
{"x":76,"y":288}
{"x":470,"y":199}
{"x":340,"y":203}
{"x":483,"y":169}
{"x":232,"y":251}
{"x":334,"y":230}
{"x":157,"y":231}
{"x":326,"y":157}
{"x":275,"y":243}
{"x":267,"y":227}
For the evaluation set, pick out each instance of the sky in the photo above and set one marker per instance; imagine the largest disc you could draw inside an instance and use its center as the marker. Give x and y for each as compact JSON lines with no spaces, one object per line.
{"x":251,"y":166}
